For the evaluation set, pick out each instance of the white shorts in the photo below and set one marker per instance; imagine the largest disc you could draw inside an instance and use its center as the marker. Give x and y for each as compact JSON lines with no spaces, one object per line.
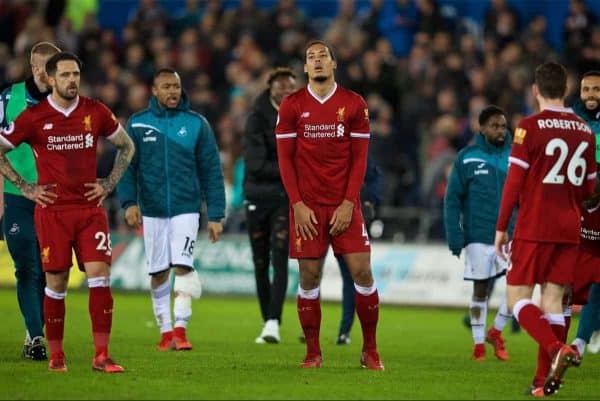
{"x":482,"y":262}
{"x":170,"y":241}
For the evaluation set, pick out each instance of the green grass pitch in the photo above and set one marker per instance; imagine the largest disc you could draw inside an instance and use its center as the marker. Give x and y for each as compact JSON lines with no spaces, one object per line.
{"x":426,"y":353}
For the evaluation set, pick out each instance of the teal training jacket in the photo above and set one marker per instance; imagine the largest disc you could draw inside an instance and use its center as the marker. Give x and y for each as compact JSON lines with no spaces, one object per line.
{"x":474,"y":192}
{"x":592,"y":118}
{"x":176,"y":164}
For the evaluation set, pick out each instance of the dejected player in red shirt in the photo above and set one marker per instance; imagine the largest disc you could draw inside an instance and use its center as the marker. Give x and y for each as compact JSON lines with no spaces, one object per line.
{"x":322,"y":142}
{"x":63,"y":131}
{"x":552,"y":170}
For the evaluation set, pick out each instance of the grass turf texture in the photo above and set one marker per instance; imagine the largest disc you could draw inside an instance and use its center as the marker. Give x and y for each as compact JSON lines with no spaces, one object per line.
{"x":426,"y":353}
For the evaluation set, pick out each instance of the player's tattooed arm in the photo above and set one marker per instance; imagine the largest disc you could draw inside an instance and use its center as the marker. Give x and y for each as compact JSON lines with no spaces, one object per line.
{"x":37,"y":193}
{"x":126,"y":149}
{"x":102,"y":187}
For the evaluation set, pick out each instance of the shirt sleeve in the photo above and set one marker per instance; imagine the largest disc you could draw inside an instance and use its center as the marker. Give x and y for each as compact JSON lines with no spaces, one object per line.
{"x":285,"y":133}
{"x":519,"y":165}
{"x":360,"y":133}
{"x":18,"y":131}
{"x":108,"y":123}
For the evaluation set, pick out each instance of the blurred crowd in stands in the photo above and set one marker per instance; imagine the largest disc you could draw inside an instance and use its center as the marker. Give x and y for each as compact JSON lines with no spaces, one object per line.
{"x":426,"y":73}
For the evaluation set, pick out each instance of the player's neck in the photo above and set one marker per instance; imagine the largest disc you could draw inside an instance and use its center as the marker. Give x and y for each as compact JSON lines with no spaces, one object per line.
{"x":42,"y":87}
{"x":61,"y":101}
{"x":322,"y":89}
{"x":550,"y":103}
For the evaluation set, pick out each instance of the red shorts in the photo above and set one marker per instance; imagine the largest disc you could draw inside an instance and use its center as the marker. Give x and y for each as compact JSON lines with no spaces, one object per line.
{"x":587,"y":272}
{"x":60,"y":232}
{"x":540,"y":262}
{"x":354,"y":240}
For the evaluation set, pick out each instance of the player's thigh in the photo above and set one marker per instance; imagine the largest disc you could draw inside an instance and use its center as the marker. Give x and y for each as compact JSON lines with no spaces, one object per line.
{"x":55,"y":233}
{"x":92,"y":238}
{"x":156,"y":243}
{"x":183,"y":233}
{"x":355,"y":239}
{"x":310,"y":248}
{"x":482,"y":262}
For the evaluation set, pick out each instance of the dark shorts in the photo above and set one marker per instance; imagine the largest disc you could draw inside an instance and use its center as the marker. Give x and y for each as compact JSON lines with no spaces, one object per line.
{"x":19,"y":231}
{"x":540,"y":262}
{"x":587,"y":272}
{"x":354,"y":240}
{"x":60,"y":232}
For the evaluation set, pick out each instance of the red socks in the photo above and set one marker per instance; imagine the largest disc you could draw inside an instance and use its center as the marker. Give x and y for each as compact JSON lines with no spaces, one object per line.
{"x":533,"y":321}
{"x":309,"y":313}
{"x":101,"y":310}
{"x":367,"y":309}
{"x":54,"y":315}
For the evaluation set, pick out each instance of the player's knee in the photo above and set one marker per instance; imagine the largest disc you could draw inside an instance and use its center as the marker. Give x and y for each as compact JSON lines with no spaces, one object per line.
{"x":363,"y":278}
{"x":188,"y":284}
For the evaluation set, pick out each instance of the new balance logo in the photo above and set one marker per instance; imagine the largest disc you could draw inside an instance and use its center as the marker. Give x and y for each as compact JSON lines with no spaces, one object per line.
{"x":47,"y":126}
{"x":306,"y":114}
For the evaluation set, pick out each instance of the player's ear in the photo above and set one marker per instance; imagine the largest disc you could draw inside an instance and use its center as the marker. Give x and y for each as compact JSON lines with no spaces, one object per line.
{"x":535,"y":90}
{"x":305,"y":69}
{"x":154,"y":90}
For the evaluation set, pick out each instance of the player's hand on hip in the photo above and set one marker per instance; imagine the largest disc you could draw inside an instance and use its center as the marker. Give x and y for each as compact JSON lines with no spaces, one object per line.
{"x":501,"y":244}
{"x":40,"y":194}
{"x":215,"y":228}
{"x":133,"y":216}
{"x":305,"y":221}
{"x":98,"y":190}
{"x":341,"y":218}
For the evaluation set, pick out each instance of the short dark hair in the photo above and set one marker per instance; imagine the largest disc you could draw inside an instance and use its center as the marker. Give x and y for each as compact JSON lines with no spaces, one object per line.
{"x":488,"y":112}
{"x":551,"y":79}
{"x":163,"y":70}
{"x":592,"y":73}
{"x":53,"y":61}
{"x":280,"y":72}
{"x":320,"y":42}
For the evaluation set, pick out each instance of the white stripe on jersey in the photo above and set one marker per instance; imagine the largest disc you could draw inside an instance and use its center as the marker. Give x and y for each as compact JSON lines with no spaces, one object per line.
{"x":473,"y":160}
{"x":111,"y":136}
{"x":518,"y":162}
{"x":142,"y":125}
{"x":591,"y":176}
{"x":360,"y":135}
{"x":283,"y":136}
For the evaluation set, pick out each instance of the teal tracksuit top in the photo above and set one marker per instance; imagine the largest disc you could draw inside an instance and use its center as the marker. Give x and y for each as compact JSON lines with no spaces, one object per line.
{"x":176,"y":164}
{"x":474,"y":192}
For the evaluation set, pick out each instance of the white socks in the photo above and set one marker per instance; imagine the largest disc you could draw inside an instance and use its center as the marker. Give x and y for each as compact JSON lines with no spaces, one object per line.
{"x":161,"y":304}
{"x":478,"y":310}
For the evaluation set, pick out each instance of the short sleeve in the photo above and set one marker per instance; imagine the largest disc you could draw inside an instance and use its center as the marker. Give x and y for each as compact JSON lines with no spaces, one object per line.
{"x":108,"y":123}
{"x":18,"y":131}
{"x":519,"y":154}
{"x":286,"y":119}
{"x":359,"y":124}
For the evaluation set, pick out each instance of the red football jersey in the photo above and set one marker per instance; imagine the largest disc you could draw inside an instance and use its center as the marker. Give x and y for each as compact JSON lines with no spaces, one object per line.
{"x":553,"y":153}
{"x":590,"y":230}
{"x":322,"y":145}
{"x":64,"y":144}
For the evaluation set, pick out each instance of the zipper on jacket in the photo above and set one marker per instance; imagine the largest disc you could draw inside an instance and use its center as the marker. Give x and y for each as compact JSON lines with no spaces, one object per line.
{"x":166,"y":147}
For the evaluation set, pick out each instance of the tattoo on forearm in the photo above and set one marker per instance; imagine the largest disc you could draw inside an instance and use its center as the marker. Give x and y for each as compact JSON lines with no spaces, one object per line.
{"x":7,"y":170}
{"x":121,"y":162}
